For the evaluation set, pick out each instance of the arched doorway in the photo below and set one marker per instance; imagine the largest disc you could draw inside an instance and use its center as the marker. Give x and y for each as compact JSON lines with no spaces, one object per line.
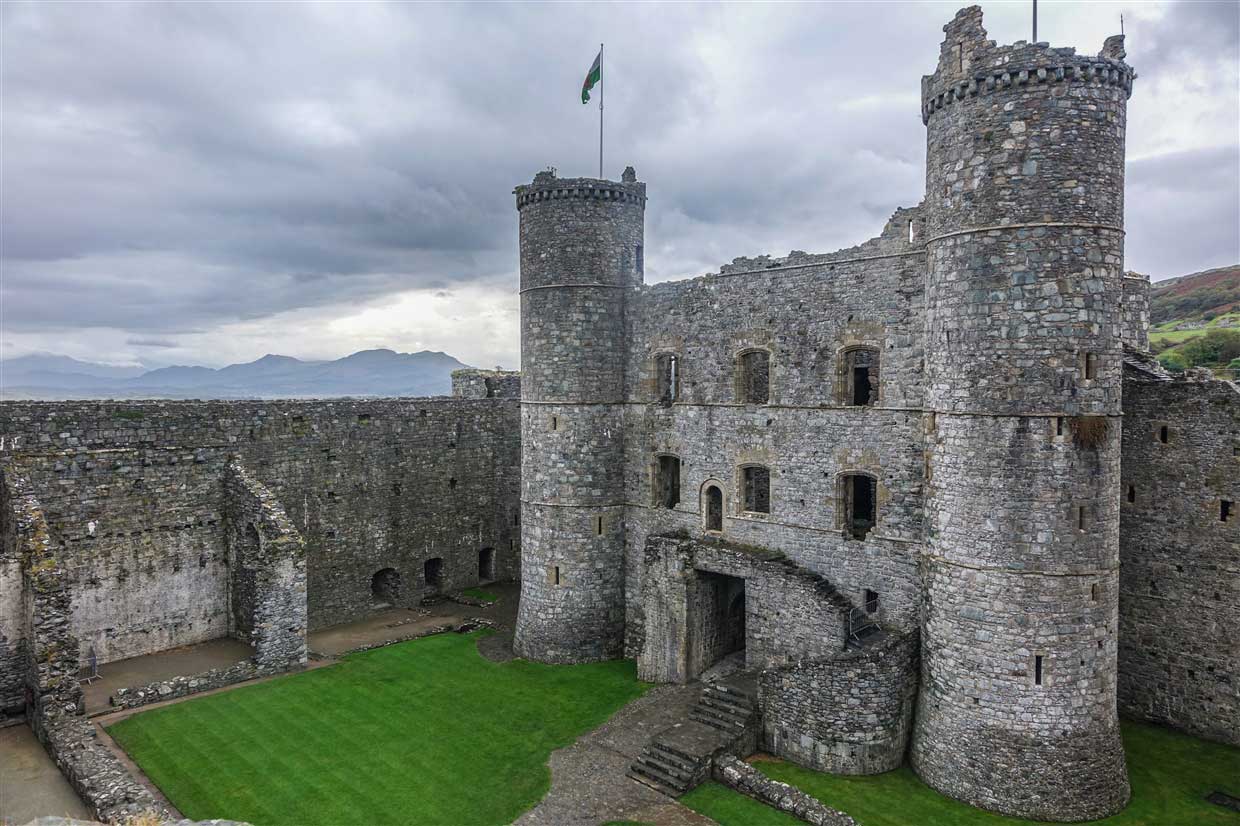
{"x":433,"y":571}
{"x":713,"y":507}
{"x":385,"y":587}
{"x":486,"y":565}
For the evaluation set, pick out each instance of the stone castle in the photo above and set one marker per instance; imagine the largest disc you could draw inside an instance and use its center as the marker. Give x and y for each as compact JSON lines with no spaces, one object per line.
{"x":931,"y":491}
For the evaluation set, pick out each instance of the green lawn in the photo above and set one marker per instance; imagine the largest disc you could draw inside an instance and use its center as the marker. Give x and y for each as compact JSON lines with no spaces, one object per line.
{"x":422,"y":732}
{"x":1171,"y":774}
{"x":481,"y":593}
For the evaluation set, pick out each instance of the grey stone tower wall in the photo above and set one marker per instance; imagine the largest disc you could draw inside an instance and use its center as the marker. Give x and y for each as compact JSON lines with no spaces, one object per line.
{"x":1024,"y":198}
{"x":1179,"y":620}
{"x":581,"y":256}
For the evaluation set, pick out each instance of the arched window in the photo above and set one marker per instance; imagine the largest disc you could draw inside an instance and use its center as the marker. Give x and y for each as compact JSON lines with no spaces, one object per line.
{"x":753,"y":377}
{"x":667,"y":377}
{"x":859,"y":376}
{"x":858,"y":494}
{"x":667,"y":482}
{"x":756,"y":489}
{"x":712,"y":507}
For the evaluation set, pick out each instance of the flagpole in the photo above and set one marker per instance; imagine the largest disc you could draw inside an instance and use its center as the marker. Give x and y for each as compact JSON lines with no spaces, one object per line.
{"x":600,"y":111}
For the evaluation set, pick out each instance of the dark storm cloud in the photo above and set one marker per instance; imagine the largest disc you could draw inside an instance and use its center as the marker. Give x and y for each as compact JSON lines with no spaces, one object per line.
{"x":170,"y":168}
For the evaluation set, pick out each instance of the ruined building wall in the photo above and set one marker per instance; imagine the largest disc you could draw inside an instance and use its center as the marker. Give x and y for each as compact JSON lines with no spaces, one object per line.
{"x":472,"y":383}
{"x":1135,"y":312}
{"x":581,"y":252}
{"x":1179,"y":621}
{"x":1024,"y":200}
{"x":134,"y":498}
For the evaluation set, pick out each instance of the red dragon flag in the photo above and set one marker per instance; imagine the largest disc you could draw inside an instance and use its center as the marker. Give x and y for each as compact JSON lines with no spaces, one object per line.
{"x":592,"y":77}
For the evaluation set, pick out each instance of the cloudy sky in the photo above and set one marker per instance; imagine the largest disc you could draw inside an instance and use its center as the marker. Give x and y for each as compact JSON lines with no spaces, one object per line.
{"x":198,"y":183}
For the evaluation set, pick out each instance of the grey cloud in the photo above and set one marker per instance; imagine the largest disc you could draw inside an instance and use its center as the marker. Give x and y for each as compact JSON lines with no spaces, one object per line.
{"x":174,"y":167}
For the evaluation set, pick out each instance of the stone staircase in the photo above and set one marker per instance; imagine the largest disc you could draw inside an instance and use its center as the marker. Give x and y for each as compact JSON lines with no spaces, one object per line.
{"x":728,"y":706}
{"x":724,"y":718}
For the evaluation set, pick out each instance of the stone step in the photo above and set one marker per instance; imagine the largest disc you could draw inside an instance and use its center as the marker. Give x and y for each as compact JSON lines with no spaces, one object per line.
{"x":747,"y":694}
{"x":651,"y":783}
{"x":676,"y":785}
{"x":724,"y":724}
{"x":672,"y":751}
{"x":726,"y":704}
{"x":672,"y":758}
{"x":681,"y":773}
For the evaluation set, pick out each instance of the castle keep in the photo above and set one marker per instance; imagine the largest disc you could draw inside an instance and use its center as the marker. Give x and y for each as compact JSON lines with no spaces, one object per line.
{"x":929,"y":492}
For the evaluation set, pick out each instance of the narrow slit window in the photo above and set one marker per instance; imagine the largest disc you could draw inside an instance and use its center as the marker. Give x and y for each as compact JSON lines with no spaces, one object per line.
{"x":598,"y":526}
{"x":1080,"y":517}
{"x":1132,"y":494}
{"x":667,"y":378}
{"x":640,"y":258}
{"x":555,"y":422}
{"x":910,"y":232}
{"x":451,"y":484}
{"x":1059,"y":425}
{"x":1091,"y":366}
{"x":1224,"y":510}
{"x":555,"y":575}
{"x":1093,"y":592}
{"x":1164,"y":435}
{"x":1037,"y":669}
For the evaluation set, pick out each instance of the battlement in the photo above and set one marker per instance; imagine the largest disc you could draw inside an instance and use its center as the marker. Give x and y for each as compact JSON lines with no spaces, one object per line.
{"x":971,"y":65}
{"x":547,"y":187}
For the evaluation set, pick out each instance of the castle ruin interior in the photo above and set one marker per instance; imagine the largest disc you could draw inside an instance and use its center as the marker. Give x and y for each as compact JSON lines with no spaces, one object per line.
{"x":930,"y":492}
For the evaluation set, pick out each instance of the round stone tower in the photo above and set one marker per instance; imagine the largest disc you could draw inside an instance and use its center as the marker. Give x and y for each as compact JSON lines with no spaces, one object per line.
{"x":1024,"y":190}
{"x":581,"y":256}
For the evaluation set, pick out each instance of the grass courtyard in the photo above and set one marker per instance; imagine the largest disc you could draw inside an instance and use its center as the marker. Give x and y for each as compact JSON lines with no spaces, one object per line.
{"x":422,"y":732}
{"x":1170,"y":773}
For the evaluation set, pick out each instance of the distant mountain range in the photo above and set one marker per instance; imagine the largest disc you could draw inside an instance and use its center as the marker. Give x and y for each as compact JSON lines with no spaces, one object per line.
{"x":366,"y":373}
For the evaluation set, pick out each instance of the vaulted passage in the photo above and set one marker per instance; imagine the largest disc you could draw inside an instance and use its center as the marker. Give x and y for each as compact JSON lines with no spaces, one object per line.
{"x":720,"y":612}
{"x":385,"y":586}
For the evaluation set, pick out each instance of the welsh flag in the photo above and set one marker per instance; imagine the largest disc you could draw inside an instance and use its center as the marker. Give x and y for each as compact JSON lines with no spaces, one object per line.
{"x":592,"y":77}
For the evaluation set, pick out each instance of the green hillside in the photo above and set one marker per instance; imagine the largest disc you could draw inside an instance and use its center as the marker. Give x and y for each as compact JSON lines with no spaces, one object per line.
{"x":1195,"y":321}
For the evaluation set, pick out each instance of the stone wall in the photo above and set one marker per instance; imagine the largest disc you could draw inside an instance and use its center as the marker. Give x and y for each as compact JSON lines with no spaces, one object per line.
{"x":267,"y":569}
{"x":807,"y":312}
{"x":1179,"y":619}
{"x":1135,"y":312}
{"x":473,"y":383}
{"x":748,"y":780}
{"x":134,"y":498}
{"x":851,"y":714}
{"x":790,"y":612}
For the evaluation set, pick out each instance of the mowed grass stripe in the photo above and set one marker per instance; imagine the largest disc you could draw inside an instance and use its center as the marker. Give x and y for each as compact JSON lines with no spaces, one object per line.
{"x":424,"y":732}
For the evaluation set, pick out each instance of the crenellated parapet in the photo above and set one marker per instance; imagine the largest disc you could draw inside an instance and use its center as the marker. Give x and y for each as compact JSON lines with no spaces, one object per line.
{"x":547,"y":187}
{"x":970,"y":65}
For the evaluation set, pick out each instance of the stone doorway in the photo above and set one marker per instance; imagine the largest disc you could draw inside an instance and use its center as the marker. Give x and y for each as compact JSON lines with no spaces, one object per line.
{"x":486,"y":565}
{"x":433,"y":573}
{"x":721,"y":620}
{"x":385,"y":588}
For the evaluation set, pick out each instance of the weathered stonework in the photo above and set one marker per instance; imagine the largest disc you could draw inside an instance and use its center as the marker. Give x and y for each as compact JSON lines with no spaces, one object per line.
{"x":848,"y":714}
{"x":1179,"y":583}
{"x":472,"y":383}
{"x":749,"y":781}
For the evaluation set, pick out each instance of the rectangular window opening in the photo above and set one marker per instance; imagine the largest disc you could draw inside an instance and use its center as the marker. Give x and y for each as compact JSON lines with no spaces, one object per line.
{"x":871,"y":601}
{"x":1164,"y":435}
{"x":1080,"y":517}
{"x":757,"y":489}
{"x":1093,"y":592}
{"x":1059,"y":425}
{"x":1037,"y":669}
{"x":1224,"y":510}
{"x":1132,"y":494}
{"x":598,"y":526}
{"x":555,"y":422}
{"x":667,"y":482}
{"x":555,"y":575}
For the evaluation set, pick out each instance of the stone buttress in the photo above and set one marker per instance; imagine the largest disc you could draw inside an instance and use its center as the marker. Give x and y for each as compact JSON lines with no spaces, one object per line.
{"x":581,"y":257}
{"x":1024,"y":197}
